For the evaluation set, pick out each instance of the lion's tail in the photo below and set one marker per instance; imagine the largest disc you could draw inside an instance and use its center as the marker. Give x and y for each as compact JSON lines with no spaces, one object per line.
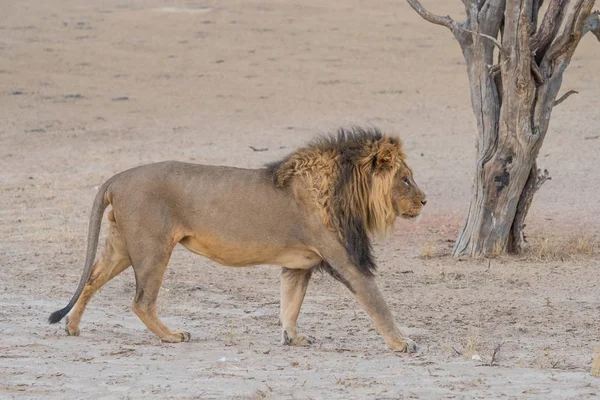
{"x":100,"y":204}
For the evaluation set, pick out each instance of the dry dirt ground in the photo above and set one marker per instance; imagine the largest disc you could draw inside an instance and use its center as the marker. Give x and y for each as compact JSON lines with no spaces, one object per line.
{"x":88,"y":89}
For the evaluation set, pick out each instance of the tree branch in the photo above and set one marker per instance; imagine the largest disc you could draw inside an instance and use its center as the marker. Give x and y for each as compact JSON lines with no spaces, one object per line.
{"x":535,"y":11}
{"x":434,"y":19}
{"x":592,"y":24}
{"x":564,"y":97}
{"x":549,"y":28}
{"x":568,"y":40}
{"x":493,"y":39}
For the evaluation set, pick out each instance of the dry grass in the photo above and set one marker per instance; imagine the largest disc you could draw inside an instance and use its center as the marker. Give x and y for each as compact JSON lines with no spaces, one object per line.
{"x":497,"y":251}
{"x":471,"y":348}
{"x":559,"y":248}
{"x":427,"y":251}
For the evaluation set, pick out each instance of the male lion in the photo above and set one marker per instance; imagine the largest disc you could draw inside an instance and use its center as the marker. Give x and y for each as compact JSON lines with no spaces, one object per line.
{"x":315,"y":209}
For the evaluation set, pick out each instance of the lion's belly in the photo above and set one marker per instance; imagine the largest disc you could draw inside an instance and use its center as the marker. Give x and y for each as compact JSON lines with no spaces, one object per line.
{"x":242,"y":255}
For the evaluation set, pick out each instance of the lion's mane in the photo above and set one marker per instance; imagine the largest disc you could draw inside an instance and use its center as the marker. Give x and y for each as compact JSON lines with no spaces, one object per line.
{"x":350,"y":176}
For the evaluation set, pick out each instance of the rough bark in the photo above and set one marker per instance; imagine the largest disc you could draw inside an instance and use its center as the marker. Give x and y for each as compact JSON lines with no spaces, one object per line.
{"x":512,"y":102}
{"x":535,"y":180}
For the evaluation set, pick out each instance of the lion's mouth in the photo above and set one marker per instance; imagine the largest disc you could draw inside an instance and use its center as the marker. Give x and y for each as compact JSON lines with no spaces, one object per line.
{"x":409,"y":215}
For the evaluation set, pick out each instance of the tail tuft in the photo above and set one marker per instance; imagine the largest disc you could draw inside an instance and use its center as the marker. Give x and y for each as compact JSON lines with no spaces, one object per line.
{"x":56,"y":316}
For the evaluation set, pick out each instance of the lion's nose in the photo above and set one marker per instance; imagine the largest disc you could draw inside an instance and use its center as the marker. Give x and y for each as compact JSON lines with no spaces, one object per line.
{"x":424,"y":201}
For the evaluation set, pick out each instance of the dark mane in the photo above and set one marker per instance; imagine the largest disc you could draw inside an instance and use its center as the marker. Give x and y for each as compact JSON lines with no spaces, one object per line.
{"x":345,"y":163}
{"x":349,"y":142}
{"x":348,"y":139}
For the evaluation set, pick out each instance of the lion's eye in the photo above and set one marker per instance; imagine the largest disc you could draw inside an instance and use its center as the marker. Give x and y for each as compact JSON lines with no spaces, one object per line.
{"x":407,"y":181}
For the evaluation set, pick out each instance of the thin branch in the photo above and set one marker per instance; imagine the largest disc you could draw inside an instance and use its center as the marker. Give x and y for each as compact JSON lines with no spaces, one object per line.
{"x":493,"y":39}
{"x":434,"y":19}
{"x":564,"y":97}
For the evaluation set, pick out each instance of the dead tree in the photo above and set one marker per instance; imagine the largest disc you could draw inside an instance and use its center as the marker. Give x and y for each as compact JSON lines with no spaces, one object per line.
{"x":512,"y":98}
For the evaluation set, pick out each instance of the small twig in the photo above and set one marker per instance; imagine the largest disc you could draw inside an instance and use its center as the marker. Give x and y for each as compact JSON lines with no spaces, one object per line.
{"x":495,"y":354}
{"x":565,"y":96}
{"x":457,"y":352}
{"x":259,"y":148}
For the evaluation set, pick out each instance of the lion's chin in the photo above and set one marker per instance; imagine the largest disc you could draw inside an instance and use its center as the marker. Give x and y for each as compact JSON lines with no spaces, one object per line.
{"x":410,"y":216}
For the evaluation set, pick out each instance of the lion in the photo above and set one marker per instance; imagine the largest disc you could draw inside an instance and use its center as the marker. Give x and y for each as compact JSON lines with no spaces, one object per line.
{"x":316,"y":209}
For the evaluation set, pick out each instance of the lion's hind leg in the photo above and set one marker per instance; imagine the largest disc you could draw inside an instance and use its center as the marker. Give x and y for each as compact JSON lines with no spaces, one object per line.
{"x":113,"y":261}
{"x":149,"y":265}
{"x":294,"y":283}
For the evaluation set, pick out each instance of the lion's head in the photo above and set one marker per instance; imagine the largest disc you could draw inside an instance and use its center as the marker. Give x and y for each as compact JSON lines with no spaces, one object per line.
{"x":407,"y":198}
{"x":359,"y":181}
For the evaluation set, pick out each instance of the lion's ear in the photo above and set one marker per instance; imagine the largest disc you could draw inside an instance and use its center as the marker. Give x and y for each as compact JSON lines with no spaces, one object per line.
{"x":387,"y":157}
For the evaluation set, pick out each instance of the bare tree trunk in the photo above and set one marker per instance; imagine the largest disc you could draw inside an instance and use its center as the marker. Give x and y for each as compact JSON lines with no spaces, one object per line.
{"x":512,"y":102}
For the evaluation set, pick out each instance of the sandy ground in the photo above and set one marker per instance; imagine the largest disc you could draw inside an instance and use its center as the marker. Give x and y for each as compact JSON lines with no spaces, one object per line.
{"x":88,"y":90}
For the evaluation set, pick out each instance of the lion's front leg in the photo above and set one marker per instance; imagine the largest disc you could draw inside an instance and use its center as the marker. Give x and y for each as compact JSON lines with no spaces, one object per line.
{"x":370,"y":298}
{"x":294,"y":283}
{"x":368,"y":295}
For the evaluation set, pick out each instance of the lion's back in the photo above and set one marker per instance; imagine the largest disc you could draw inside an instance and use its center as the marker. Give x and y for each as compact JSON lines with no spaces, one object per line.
{"x":205,"y":197}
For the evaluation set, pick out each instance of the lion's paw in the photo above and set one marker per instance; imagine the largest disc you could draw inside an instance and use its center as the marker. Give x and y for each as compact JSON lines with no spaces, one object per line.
{"x":302,"y":340}
{"x":299,"y":340}
{"x":405,"y":345}
{"x":71,"y":330}
{"x":177,"y":337}
{"x":185,"y":336}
